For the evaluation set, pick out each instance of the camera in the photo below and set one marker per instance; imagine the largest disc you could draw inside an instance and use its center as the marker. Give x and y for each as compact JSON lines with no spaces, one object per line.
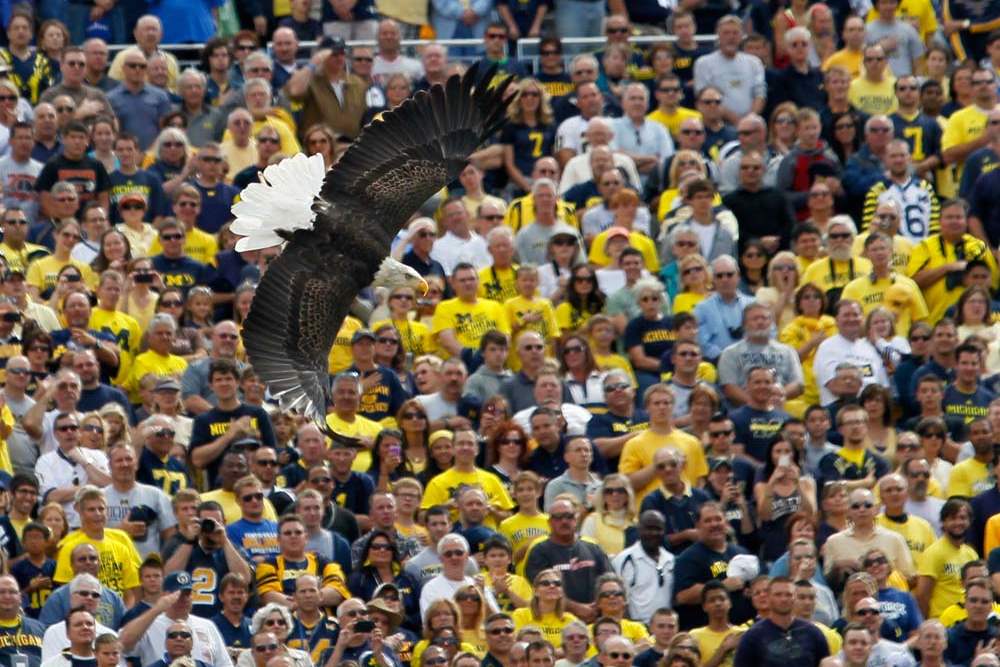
{"x":143,"y":278}
{"x":364,"y":626}
{"x":736,"y":333}
{"x":73,"y":278}
{"x":209,"y":526}
{"x":12,"y":317}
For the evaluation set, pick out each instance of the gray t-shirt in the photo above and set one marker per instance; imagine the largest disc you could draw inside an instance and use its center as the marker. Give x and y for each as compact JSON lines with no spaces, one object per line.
{"x":484,"y":383}
{"x":18,"y":182}
{"x":22,"y":449}
{"x":151,"y":503}
{"x":741,"y":79}
{"x":532,"y":241}
{"x":737,"y":360}
{"x":436,"y":407}
{"x":908,"y":44}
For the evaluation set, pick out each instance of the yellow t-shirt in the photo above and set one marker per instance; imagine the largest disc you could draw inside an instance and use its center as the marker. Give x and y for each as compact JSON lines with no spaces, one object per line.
{"x":639,"y":451}
{"x":916,"y":531}
{"x":796,"y":334}
{"x":547,"y":327}
{"x":963,"y":126}
{"x":943,"y":562}
{"x":833,"y":638}
{"x":709,"y":642}
{"x":521,"y":530}
{"x":819,"y":272}
{"x":469,"y":321}
{"x":570,"y":319}
{"x":673,"y":120}
{"x":442,"y":488}
{"x":140,"y":241}
{"x":608,"y":361}
{"x":22,"y":258}
{"x":157,"y":364}
{"x":933,"y":252}
{"x":43,"y":273}
{"x":231,"y":510}
{"x":637,"y":240}
{"x":922,"y":10}
{"x":119,"y":568}
{"x":849,"y":60}
{"x":970,"y":478}
{"x":521,"y":213}
{"x":550,"y":625}
{"x":498,"y":284}
{"x":873,"y":98}
{"x":902,"y":248}
{"x":361,"y":427}
{"x":871,"y":295}
{"x":518,"y":584}
{"x":340,"y":358}
{"x":685,"y":302}
{"x":415,"y":336}
{"x":124,"y":327}
{"x":198,"y":245}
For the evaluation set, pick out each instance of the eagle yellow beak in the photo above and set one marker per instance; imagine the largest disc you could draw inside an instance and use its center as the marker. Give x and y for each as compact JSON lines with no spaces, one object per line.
{"x":424,"y":287}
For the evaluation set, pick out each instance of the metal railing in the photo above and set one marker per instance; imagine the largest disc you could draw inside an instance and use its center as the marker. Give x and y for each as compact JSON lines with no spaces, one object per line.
{"x":527,"y":47}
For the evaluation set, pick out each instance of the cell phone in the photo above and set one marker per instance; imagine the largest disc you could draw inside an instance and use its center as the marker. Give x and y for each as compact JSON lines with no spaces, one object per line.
{"x":785,"y":460}
{"x":395,"y":450}
{"x":72,"y":278}
{"x":208,"y":525}
{"x":364,"y":626}
{"x":143,"y":278}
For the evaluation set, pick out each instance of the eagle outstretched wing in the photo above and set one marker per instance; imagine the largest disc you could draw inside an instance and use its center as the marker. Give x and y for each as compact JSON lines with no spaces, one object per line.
{"x":396,"y":164}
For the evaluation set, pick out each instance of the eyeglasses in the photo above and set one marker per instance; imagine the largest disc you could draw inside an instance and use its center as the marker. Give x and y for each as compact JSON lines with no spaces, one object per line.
{"x":268,"y":463}
{"x":68,"y":427}
{"x":363,"y":59}
{"x":136,"y":65}
{"x":879,"y":560}
{"x":865,"y":505}
{"x":275,"y":621}
{"x":672,"y":89}
{"x":133,"y":207}
{"x":692,"y":269}
{"x":839,"y":236}
{"x":453,"y":553}
{"x":496,"y":35}
{"x":616,"y":31}
{"x":663,"y":465}
{"x":718,"y":434}
{"x":18,"y":371}
{"x":505,"y":630}
{"x":171,"y":237}
{"x":15,"y":221}
{"x":171,"y":303}
{"x":178,"y":635}
{"x":73,"y":63}
{"x":88,"y":594}
{"x":549,"y":583}
{"x":93,"y":428}
{"x":617,"y":386}
{"x":264,"y":648}
{"x":244,"y":47}
{"x":533,"y":348}
{"x":611,"y":594}
{"x":879,"y":129}
{"x":252,"y":496}
{"x":615,"y":490}
{"x":908,"y":446}
{"x":982,"y":82}
{"x":619,"y":655}
{"x":172,"y":144}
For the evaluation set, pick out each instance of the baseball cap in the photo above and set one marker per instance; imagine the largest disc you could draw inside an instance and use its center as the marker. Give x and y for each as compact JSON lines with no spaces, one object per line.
{"x":718,"y":462}
{"x":132,"y":197}
{"x":616,"y":232}
{"x":177,"y":581}
{"x":335,"y":44}
{"x":361,"y":334}
{"x":167,"y":384}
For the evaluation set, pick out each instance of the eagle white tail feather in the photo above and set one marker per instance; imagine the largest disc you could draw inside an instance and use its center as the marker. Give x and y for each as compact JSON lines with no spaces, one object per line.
{"x":282,"y":200}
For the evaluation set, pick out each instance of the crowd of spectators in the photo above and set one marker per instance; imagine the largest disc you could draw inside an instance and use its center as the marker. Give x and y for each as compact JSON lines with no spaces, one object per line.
{"x":706,"y":373}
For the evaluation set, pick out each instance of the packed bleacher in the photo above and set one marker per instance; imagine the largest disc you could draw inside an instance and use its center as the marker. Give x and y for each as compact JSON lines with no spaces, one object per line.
{"x":706,"y":373}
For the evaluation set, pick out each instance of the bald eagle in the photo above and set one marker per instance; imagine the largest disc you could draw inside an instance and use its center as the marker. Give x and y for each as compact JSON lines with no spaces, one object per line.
{"x":337,"y":227}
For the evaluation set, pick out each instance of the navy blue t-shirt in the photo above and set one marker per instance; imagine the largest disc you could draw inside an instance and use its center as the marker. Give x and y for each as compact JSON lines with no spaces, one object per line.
{"x":24,"y":571}
{"x":215,"y":205}
{"x":698,"y":565}
{"x":213,"y":424}
{"x":656,"y":336}
{"x":183,"y":272}
{"x":141,"y":181}
{"x":767,"y":644}
{"x":233,"y":636}
{"x":91,"y":400}
{"x":755,"y":429}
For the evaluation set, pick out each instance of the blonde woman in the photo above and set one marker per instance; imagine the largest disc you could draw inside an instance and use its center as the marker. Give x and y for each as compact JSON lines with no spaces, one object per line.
{"x":92,"y":432}
{"x":779,"y":293}
{"x":546,"y":610}
{"x":696,"y":283}
{"x":810,"y":327}
{"x":116,"y":425}
{"x":614,"y":511}
{"x":440,"y":615}
{"x":529,"y":134}
{"x":415,"y":336}
{"x":473,"y":609}
{"x":684,"y":162}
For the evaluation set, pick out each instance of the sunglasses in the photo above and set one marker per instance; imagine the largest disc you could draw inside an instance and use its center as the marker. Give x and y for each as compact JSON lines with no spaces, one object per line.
{"x":505,"y":630}
{"x":866,"y":505}
{"x":264,"y":648}
{"x":172,"y":237}
{"x":453,"y":553}
{"x":268,"y":463}
{"x":467,"y":597}
{"x":387,"y":341}
{"x":93,"y":428}
{"x":132,"y":207}
{"x":89,"y":594}
{"x":178,"y":635}
{"x":867,"y":611}
{"x":68,"y":427}
{"x":619,"y":655}
{"x":261,"y":140}
{"x":252,"y":496}
{"x":881,"y":560}
{"x":275,"y":621}
{"x":618,"y":386}
{"x":549,"y":583}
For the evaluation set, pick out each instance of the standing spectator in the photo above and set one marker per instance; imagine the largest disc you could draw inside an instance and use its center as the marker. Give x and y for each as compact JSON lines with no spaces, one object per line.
{"x":390,"y":60}
{"x":148,"y":34}
{"x":704,"y":561}
{"x":978,"y":629}
{"x":16,"y":251}
{"x":939,"y":583}
{"x":770,"y":642}
{"x":141,"y":510}
{"x":872,"y":92}
{"x":675,"y":500}
{"x":648,"y":143}
{"x":18,"y":171}
{"x":848,"y":346}
{"x":30,"y":70}
{"x":739,"y":76}
{"x":966,"y":128}
{"x":23,"y":632}
{"x":799,"y":82}
{"x":563,"y":547}
{"x":329,"y":94}
{"x":138,"y":105}
{"x":73,"y":166}
{"x":761,"y":209}
{"x":68,"y":463}
{"x":897,"y":36}
{"x":453,"y":549}
{"x":648,"y":568}
{"x":720,"y":315}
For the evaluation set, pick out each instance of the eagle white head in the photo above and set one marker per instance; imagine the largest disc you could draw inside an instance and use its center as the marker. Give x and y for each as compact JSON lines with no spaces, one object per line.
{"x":394,"y":274}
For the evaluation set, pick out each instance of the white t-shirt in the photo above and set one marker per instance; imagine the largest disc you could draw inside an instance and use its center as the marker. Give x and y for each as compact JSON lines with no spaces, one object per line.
{"x":55,"y":640}
{"x":837,"y":350}
{"x":55,"y":471}
{"x":208,"y":645}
